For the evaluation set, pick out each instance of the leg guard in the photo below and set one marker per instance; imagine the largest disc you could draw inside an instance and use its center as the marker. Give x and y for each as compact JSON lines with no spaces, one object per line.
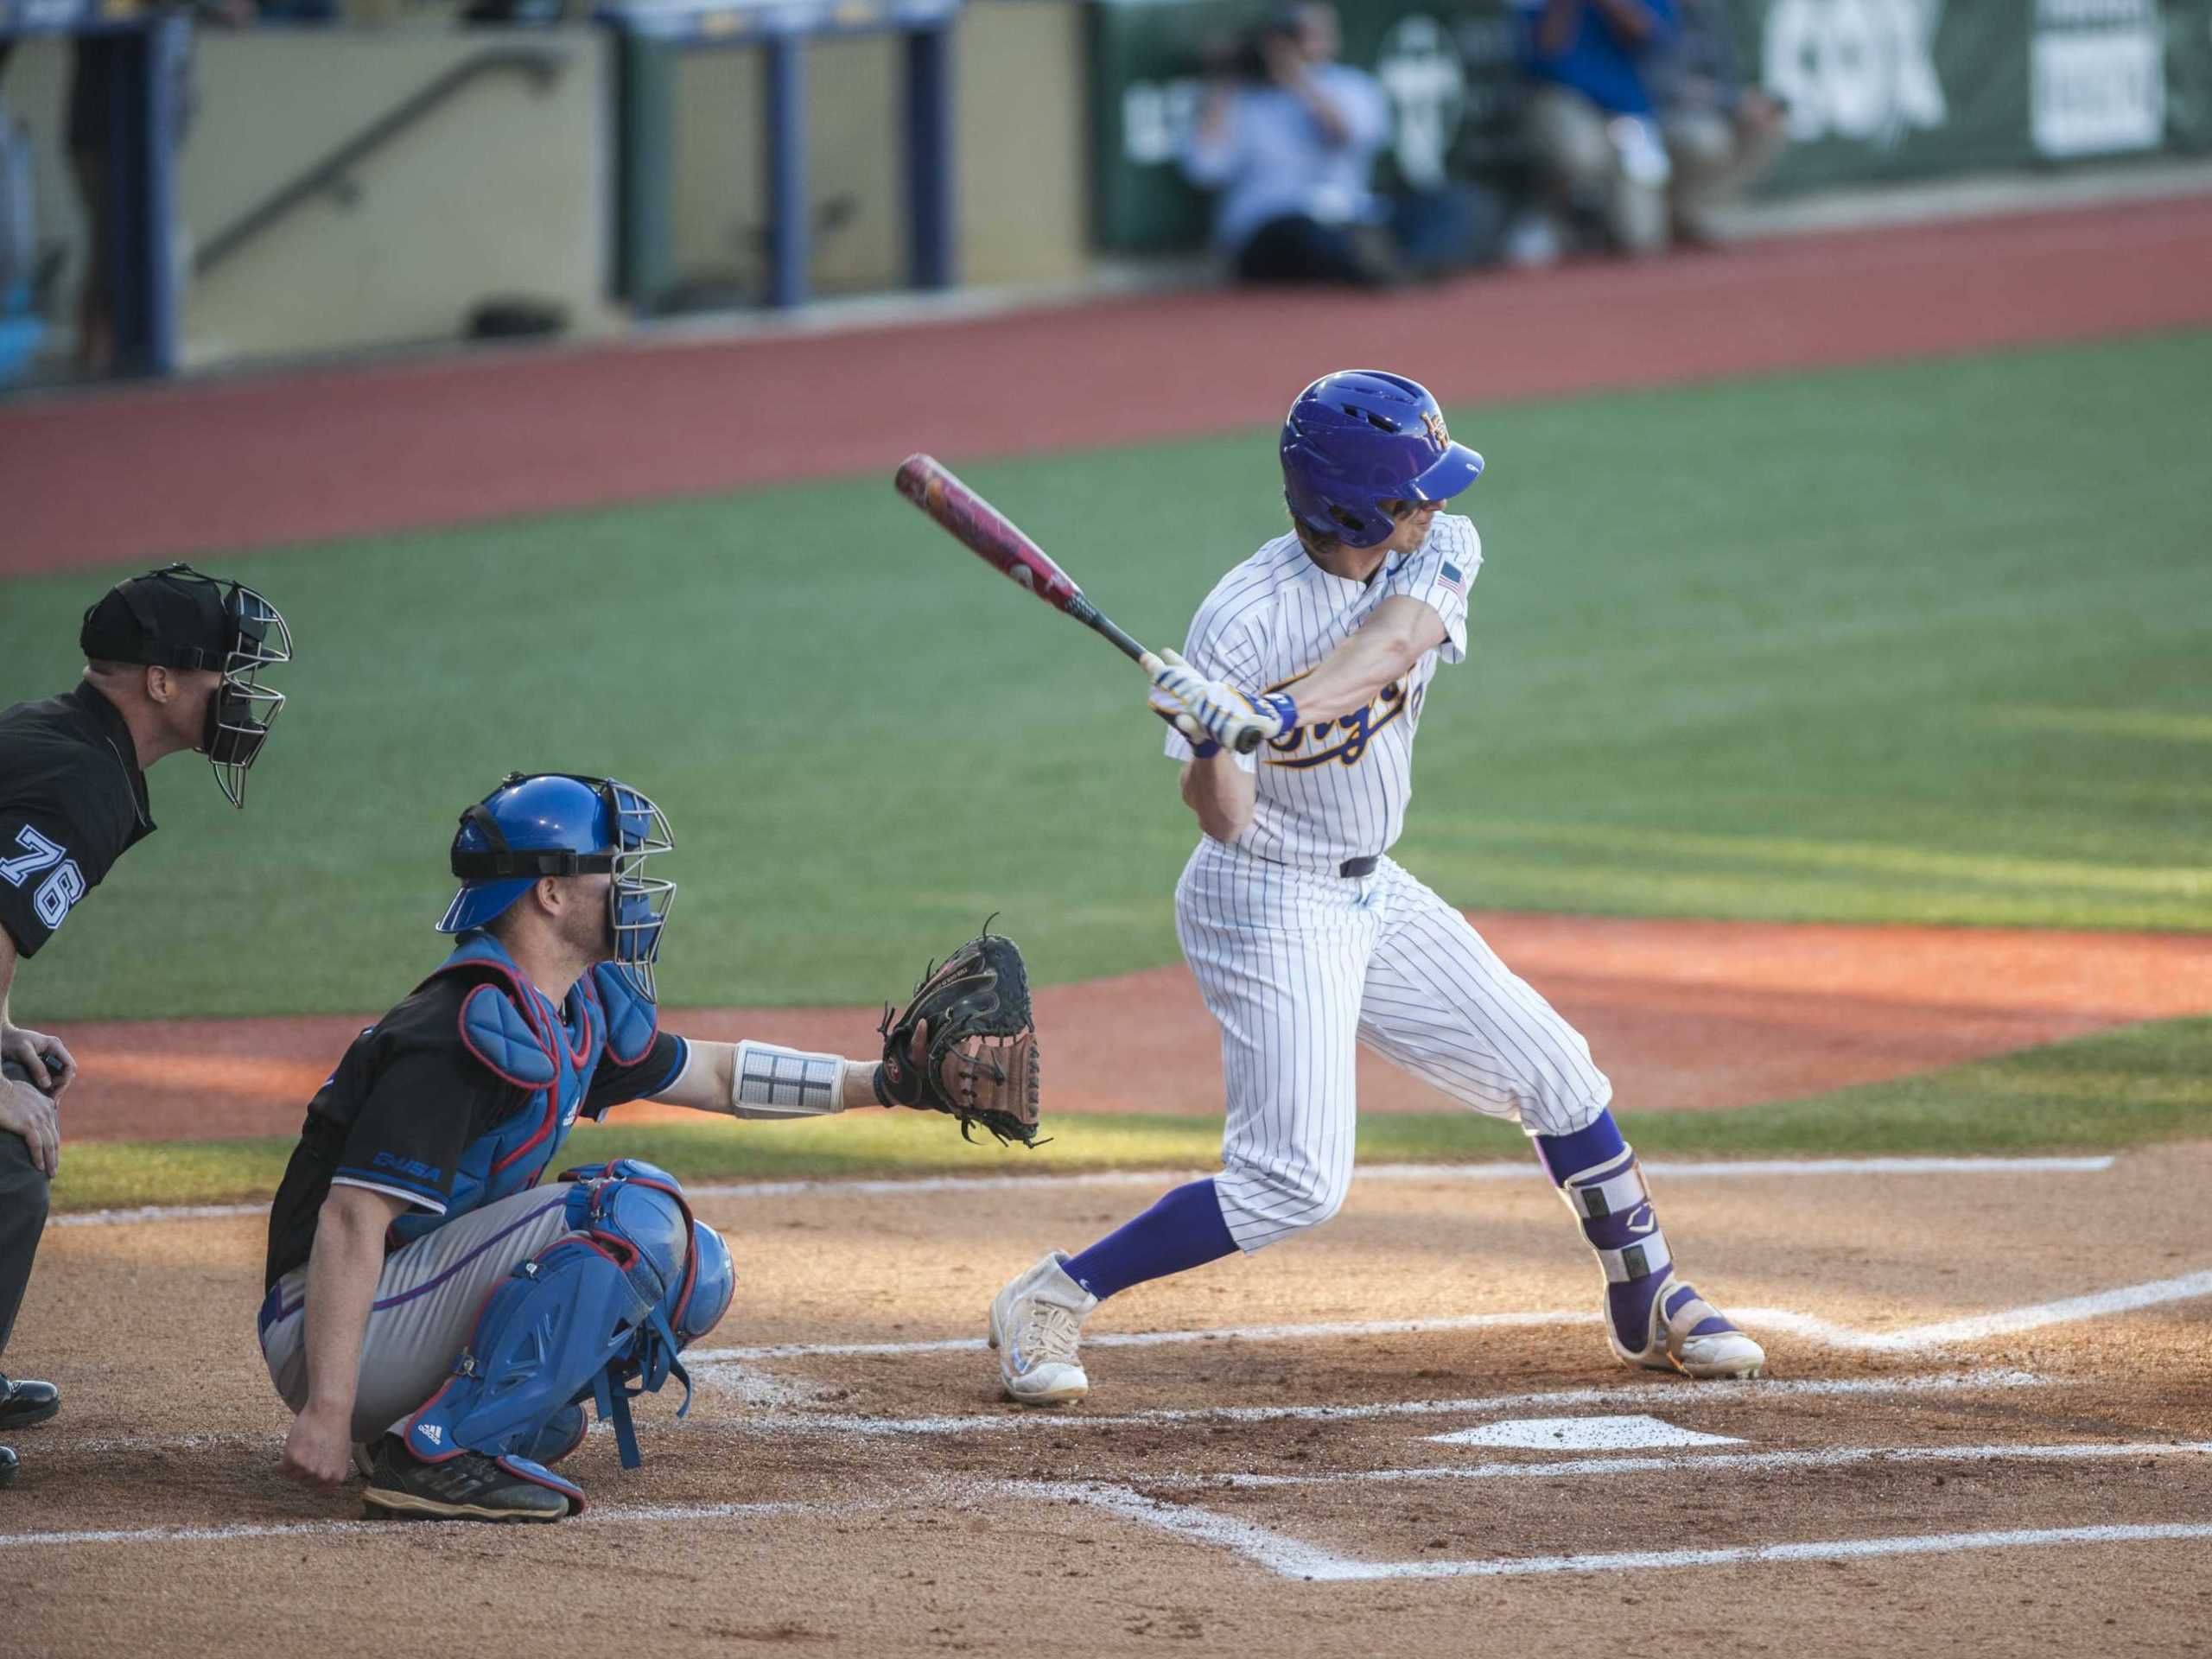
{"x":1653,"y":1319}
{"x":557,"y":1436}
{"x":690,"y":1301}
{"x":572,"y":1323}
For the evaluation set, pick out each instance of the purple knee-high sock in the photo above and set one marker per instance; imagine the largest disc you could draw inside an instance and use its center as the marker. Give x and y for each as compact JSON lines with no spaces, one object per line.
{"x":1595,"y":1143}
{"x":1183,"y":1230}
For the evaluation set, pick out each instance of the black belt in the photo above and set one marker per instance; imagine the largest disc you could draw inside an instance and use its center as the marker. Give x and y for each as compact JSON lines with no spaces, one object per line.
{"x":1352,"y":868}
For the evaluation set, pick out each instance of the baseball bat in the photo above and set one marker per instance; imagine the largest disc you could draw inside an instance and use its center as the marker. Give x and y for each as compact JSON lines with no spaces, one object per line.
{"x":1000,"y":542}
{"x":995,"y":539}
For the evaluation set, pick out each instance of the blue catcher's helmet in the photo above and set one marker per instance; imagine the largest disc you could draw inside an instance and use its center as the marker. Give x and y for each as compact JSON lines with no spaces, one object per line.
{"x":1359,"y":437}
{"x":545,"y":823}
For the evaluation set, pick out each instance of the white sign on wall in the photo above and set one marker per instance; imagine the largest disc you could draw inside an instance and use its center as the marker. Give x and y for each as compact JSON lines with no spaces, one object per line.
{"x":1418,"y":66}
{"x":2097,"y":77}
{"x":1858,"y":69}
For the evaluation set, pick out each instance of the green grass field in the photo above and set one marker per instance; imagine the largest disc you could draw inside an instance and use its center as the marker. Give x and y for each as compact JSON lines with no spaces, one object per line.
{"x":1913,"y":643}
{"x":1923,"y":642}
{"x":2099,"y":1094}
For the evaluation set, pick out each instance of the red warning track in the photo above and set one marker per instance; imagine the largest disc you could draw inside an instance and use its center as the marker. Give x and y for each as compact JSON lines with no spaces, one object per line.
{"x":1684,"y":1015}
{"x":298,"y":457}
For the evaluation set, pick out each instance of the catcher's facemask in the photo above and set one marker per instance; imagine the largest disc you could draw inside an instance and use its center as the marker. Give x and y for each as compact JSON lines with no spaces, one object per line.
{"x":178,"y":618}
{"x":626,"y":829}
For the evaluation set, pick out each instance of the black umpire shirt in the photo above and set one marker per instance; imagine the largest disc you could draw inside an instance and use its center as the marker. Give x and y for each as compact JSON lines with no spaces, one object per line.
{"x":73,"y":801}
{"x":405,"y":1102}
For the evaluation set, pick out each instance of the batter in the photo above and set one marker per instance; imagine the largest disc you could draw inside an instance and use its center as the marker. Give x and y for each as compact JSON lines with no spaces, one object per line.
{"x":1306,"y":938}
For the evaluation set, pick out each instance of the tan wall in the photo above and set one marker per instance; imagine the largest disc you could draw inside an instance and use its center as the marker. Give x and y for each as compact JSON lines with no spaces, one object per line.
{"x":501,"y":191}
{"x":719,"y":201}
{"x":1020,"y":145}
{"x":1023,"y":143}
{"x":505,"y":190}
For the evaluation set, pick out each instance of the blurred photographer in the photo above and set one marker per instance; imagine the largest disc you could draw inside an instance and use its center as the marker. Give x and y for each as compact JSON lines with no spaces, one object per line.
{"x":1288,"y":137}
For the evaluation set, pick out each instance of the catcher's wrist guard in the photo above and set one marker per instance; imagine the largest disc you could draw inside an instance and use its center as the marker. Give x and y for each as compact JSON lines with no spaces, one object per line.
{"x":965,"y":1045}
{"x":769,"y":1081}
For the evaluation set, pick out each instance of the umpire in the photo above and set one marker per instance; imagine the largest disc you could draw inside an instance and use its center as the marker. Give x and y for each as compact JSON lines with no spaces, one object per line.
{"x":172,"y":663}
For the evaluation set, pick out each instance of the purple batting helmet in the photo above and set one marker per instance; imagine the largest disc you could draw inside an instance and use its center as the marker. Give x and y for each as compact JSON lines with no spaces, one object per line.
{"x":1359,"y":437}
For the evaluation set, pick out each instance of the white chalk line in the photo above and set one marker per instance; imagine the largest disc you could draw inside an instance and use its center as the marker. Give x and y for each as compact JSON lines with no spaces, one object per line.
{"x":1289,"y":1558}
{"x":713,"y":1357}
{"x":2098,"y":1305}
{"x":1732,"y":1462}
{"x":1677,"y":1392}
{"x":141,"y":1214}
{"x":189,"y":1535}
{"x":1914,"y":1339}
{"x":1274,"y":1550}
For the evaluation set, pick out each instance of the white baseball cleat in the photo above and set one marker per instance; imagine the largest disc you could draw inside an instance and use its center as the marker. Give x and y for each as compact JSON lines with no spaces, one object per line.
{"x":1036,"y":1323}
{"x":1684,"y":1332}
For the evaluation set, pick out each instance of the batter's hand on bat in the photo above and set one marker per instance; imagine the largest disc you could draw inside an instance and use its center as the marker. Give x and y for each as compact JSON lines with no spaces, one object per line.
{"x":1234,"y":719}
{"x":1173,"y":712}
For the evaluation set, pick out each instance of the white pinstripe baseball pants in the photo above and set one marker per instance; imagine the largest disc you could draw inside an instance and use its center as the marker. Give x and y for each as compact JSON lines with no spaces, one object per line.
{"x":427,"y":1299}
{"x":1298,"y":969}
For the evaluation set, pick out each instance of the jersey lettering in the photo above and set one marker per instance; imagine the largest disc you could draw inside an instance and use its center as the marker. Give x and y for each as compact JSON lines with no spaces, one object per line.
{"x":57,"y":893}
{"x":1357,"y":729}
{"x":42,"y":855}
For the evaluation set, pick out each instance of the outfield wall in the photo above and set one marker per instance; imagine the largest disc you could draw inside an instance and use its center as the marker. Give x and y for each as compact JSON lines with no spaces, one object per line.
{"x":504,"y":189}
{"x":1022,"y":192}
{"x":1877,"y":89}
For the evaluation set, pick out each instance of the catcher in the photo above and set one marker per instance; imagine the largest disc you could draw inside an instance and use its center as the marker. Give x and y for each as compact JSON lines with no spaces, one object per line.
{"x":436,"y":1317}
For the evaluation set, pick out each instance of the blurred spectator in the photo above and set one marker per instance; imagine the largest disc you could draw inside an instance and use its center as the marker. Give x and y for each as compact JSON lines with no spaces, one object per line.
{"x":1592,"y":122}
{"x":1720,"y":135}
{"x":95,"y":74}
{"x":1289,"y":138}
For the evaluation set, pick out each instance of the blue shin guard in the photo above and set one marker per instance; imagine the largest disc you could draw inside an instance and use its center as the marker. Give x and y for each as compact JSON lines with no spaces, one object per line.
{"x":599,"y":1306}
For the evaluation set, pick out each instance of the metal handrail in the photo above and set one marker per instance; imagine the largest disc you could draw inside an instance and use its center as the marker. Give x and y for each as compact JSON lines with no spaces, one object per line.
{"x":541,"y":65}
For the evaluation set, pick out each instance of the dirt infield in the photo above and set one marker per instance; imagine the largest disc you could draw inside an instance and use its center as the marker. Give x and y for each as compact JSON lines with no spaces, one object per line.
{"x":1985,"y":1431}
{"x":1685,"y":1016}
{"x":299,"y":457}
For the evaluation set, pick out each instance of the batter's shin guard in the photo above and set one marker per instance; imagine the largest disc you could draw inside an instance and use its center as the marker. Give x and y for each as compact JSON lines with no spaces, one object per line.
{"x":1653,"y":1319}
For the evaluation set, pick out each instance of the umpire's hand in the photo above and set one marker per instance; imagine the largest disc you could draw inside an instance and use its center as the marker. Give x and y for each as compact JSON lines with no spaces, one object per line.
{"x":44,"y":1061}
{"x":25,"y":1111}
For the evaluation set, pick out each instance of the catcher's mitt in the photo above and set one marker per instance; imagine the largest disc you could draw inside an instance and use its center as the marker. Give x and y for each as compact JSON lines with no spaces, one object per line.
{"x":979,"y":1063}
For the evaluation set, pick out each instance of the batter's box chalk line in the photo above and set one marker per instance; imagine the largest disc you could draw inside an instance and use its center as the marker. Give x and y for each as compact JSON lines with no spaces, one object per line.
{"x":1808,"y":1167}
{"x":1677,"y":1392}
{"x":1290,"y":1558}
{"x":775,"y":1423}
{"x":1832,"y":1456}
{"x":1916,"y":1340}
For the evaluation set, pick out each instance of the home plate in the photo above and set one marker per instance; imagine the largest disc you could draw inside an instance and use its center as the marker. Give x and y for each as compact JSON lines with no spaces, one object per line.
{"x":1581,"y":1434}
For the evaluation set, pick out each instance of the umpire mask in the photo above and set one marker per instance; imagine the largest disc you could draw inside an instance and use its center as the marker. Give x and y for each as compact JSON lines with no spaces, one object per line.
{"x":177,"y":618}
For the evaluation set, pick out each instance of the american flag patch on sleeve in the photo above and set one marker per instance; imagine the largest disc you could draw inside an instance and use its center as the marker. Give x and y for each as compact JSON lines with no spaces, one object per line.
{"x":1455,"y":578}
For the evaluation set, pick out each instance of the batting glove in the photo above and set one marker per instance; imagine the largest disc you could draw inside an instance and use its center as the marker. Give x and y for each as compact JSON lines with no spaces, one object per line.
{"x":1234,"y":719}
{"x":1202,"y":746}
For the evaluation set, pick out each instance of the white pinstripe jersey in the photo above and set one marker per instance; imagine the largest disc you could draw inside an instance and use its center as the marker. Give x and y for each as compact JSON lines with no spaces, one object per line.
{"x":1336,"y":789}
